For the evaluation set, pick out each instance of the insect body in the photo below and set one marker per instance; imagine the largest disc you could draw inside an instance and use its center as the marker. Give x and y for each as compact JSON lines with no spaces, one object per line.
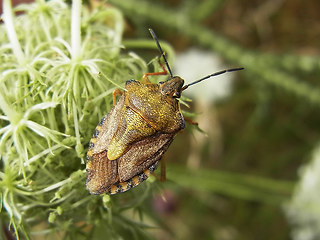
{"x":129,"y":141}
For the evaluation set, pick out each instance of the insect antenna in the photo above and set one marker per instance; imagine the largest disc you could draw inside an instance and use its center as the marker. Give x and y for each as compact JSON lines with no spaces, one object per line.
{"x":212,"y":75}
{"x":161,"y":51}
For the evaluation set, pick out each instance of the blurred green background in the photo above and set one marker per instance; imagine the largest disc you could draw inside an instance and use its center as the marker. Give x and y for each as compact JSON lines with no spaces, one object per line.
{"x":258,"y":136}
{"x":236,"y":178}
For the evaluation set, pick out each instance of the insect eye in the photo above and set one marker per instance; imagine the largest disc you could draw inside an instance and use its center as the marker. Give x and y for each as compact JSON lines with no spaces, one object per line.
{"x":176,"y":95}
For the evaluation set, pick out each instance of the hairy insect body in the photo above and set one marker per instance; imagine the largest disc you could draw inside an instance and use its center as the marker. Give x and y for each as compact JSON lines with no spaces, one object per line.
{"x":131,"y":139}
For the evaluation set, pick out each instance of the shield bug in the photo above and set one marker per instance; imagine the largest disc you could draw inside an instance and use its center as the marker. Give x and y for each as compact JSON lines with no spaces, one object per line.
{"x":129,"y":141}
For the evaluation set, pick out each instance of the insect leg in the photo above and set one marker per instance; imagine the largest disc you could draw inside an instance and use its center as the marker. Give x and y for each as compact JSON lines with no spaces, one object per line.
{"x":164,"y":72}
{"x":162,"y":176}
{"x":163,"y":170}
{"x":190,"y":121}
{"x":116,"y":93}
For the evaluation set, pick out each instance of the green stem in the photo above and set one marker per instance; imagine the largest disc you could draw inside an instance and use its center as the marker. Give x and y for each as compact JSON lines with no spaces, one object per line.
{"x":75,"y":28}
{"x":8,"y":20}
{"x":76,"y":122}
{"x":236,"y":185}
{"x":13,"y":116}
{"x":53,"y":186}
{"x":150,"y":44}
